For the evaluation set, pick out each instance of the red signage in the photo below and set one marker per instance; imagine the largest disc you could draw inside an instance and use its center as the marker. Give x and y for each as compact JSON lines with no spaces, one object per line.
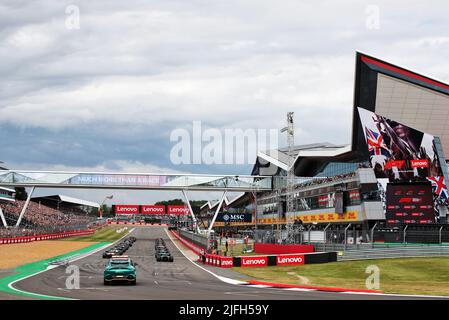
{"x":178,"y":210}
{"x":126,"y":209}
{"x":289,"y":259}
{"x":254,"y":261}
{"x":227,"y":262}
{"x":152,"y":209}
{"x":394,"y":163}
{"x":419,"y":163}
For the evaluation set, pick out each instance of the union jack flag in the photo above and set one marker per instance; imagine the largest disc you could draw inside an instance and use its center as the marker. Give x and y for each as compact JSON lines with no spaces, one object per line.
{"x":376,"y":144}
{"x":439,"y":186}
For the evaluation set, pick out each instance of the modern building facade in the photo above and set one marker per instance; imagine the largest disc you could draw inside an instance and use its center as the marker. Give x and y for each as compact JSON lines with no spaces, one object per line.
{"x":335,"y":183}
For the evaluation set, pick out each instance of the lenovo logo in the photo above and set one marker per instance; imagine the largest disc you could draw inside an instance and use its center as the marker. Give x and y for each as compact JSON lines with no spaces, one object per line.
{"x":292,"y":259}
{"x":247,"y":262}
{"x":227,"y":262}
{"x":178,"y":210}
{"x":419,"y":163}
{"x":153,"y":209}
{"x":126,"y":209}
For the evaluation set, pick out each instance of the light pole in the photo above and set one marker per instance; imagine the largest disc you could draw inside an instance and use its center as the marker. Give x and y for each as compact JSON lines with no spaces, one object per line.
{"x":101,"y":206}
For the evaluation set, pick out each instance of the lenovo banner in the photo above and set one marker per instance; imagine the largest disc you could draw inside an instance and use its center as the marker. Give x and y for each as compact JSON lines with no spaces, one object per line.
{"x":178,"y":210}
{"x":254,"y":261}
{"x":289,"y":259}
{"x":395,"y":163}
{"x":419,"y":163}
{"x":152,"y":209}
{"x":126,"y":209}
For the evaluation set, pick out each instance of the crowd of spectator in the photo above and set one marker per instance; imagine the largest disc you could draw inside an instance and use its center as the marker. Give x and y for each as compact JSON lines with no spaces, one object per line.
{"x":318,"y":181}
{"x":40,"y":219}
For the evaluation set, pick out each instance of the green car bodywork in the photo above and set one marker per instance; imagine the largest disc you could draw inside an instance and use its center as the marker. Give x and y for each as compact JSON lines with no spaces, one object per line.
{"x":120,"y":270}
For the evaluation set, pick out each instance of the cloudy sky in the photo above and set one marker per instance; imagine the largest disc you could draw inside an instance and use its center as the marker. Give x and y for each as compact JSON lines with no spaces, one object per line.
{"x":106,"y":94}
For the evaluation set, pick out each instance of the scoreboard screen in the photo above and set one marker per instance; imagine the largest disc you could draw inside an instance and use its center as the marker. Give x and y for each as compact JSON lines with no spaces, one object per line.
{"x":409,"y":204}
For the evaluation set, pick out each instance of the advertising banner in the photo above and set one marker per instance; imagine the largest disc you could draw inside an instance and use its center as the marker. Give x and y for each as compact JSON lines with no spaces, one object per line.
{"x":126,"y":209}
{"x":234,"y":217}
{"x":178,"y":210}
{"x":289,"y":259}
{"x":254,"y":261}
{"x":330,"y":217}
{"x":152,"y":209}
{"x":119,"y":180}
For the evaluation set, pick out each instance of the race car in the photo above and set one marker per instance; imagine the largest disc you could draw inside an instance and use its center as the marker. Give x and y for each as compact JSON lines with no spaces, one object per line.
{"x":164,"y":256}
{"x":111,"y":252}
{"x":120,"y":269}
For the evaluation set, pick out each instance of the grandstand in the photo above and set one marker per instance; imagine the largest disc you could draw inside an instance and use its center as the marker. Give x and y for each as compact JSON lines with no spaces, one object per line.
{"x":68,"y":204}
{"x":46,"y":215}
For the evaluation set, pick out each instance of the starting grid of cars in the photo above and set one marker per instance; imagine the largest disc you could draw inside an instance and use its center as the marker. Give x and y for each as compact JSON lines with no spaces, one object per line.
{"x":162,"y":252}
{"x":121,"y":268}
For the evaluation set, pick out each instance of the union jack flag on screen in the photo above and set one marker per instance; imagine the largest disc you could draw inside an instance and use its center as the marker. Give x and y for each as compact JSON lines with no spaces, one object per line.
{"x":376,"y":144}
{"x":439,"y":186}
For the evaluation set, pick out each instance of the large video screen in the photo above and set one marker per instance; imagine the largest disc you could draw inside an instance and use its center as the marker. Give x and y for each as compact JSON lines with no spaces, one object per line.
{"x":397,"y":151}
{"x":409,"y":204}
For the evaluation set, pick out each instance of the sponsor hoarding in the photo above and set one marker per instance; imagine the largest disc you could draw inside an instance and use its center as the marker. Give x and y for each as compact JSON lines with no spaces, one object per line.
{"x":330,"y":217}
{"x":234,"y":217}
{"x":254,"y":261}
{"x":178,"y":210}
{"x":119,"y":180}
{"x":152,"y":209}
{"x":289,"y":259}
{"x":126,"y":209}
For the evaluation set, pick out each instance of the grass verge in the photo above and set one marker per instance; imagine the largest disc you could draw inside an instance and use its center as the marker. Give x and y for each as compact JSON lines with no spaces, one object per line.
{"x":32,"y":268}
{"x":106,"y":234}
{"x":426,"y":276}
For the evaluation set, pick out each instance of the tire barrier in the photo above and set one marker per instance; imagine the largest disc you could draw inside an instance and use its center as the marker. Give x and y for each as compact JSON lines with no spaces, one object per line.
{"x":53,"y":236}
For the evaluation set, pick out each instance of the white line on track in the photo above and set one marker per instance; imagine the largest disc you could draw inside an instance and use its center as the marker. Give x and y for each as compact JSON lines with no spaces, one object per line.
{"x":77,"y":257}
{"x":224,"y":279}
{"x":238,"y":282}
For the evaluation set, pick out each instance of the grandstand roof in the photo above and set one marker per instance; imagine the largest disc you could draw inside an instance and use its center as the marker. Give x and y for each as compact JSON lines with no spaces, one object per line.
{"x":1,"y":166}
{"x":67,"y":199}
{"x":213,"y":203}
{"x":7,"y":189}
{"x":308,"y":159}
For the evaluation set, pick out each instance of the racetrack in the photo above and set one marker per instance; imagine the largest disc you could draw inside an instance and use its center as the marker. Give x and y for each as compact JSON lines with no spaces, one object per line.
{"x":160,"y":280}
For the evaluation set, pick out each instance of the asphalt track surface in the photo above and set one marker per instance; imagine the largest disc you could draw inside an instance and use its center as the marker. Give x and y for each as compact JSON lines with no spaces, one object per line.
{"x":180,"y":280}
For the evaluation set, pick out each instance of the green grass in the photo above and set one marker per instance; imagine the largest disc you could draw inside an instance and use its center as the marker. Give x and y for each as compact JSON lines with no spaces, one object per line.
{"x":106,"y":234}
{"x":237,"y":250}
{"x":406,"y":275}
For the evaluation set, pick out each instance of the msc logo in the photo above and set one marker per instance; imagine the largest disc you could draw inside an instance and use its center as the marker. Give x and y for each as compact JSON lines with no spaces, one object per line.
{"x":233,"y":217}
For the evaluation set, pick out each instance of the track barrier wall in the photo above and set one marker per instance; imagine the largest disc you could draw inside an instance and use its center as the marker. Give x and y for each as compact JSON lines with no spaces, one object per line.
{"x":41,"y":237}
{"x":268,"y":260}
{"x":260,"y":260}
{"x":188,"y":244}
